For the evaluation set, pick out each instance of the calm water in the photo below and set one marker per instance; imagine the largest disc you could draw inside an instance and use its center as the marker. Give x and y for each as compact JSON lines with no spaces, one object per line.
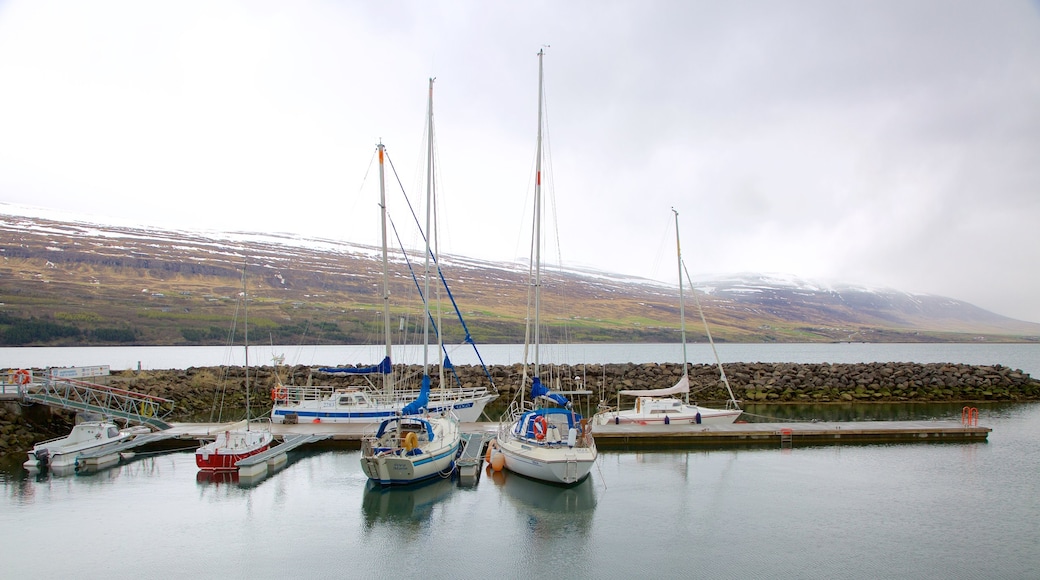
{"x":879,"y":511}
{"x":1018,"y":356}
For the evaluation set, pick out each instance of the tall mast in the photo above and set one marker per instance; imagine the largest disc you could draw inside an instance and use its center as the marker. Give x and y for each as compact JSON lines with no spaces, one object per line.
{"x":245,"y":338}
{"x":538,"y":224}
{"x":429,"y":213}
{"x":388,"y":378}
{"x":682,"y":301}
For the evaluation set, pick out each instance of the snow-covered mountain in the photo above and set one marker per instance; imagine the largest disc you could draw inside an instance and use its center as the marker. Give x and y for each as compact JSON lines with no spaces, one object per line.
{"x":146,"y":277}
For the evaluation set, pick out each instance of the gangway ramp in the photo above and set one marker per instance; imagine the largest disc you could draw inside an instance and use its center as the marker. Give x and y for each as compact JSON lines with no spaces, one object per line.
{"x":472,"y":457}
{"x":79,"y":395}
{"x":256,"y":465}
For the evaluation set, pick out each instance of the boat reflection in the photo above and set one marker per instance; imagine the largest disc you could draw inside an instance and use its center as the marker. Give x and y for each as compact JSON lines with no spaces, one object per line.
{"x":545,"y":499}
{"x":413,"y":503}
{"x":216,"y":477}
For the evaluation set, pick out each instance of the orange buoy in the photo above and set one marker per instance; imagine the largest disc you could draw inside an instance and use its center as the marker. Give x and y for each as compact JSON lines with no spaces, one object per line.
{"x":316,"y":420}
{"x":498,"y":461}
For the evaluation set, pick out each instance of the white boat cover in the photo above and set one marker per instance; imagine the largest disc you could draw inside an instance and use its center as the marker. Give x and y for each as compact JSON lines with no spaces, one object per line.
{"x":683,"y":386}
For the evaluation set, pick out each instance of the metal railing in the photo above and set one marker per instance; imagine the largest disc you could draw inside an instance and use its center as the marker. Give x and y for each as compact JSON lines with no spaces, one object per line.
{"x":79,"y":395}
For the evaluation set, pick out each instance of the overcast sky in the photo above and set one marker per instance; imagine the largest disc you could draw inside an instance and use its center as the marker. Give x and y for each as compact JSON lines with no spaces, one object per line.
{"x":892,"y":144}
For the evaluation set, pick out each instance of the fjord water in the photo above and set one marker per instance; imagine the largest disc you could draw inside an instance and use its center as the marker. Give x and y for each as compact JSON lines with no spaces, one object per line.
{"x":873,"y":511}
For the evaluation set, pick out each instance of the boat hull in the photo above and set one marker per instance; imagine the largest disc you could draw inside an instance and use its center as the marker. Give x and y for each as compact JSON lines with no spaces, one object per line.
{"x":667,"y":412}
{"x":230,"y":448}
{"x":88,"y":436}
{"x":388,"y":462}
{"x":559,"y":465}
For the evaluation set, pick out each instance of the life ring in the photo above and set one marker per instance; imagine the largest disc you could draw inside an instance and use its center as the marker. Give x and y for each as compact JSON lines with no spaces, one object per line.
{"x":22,"y":377}
{"x":411,"y":441}
{"x":279,"y":394}
{"x":541,"y":425}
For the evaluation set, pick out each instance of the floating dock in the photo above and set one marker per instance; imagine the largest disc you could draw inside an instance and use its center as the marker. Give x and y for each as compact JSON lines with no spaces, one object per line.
{"x":786,"y":434}
{"x":472,"y":458}
{"x":274,"y":457}
{"x":620,"y":437}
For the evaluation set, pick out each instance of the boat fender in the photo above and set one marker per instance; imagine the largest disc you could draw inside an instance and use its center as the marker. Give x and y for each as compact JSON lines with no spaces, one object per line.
{"x":667,"y":420}
{"x":697,"y":418}
{"x":617,"y":420}
{"x":411,"y":440}
{"x":572,"y":437}
{"x":540,"y":427}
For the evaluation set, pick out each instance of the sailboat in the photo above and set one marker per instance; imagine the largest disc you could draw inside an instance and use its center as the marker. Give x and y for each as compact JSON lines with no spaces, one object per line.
{"x":660,"y":406}
{"x":415,"y":445}
{"x":365,"y":403}
{"x":237,"y":441}
{"x":553,"y":444}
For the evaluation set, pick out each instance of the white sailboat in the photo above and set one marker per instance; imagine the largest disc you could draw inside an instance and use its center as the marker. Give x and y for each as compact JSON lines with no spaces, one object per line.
{"x":551,"y":444}
{"x":416,"y":444}
{"x":660,"y":406}
{"x":366,"y":403}
{"x":238,"y":441}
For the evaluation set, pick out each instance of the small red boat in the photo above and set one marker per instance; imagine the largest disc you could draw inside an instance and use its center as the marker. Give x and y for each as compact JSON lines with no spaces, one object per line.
{"x":230,"y":447}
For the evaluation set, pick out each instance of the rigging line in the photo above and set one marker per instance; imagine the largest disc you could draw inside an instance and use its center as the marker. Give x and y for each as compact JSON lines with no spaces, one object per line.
{"x":429,"y":316}
{"x":440,"y":274}
{"x":722,"y":371}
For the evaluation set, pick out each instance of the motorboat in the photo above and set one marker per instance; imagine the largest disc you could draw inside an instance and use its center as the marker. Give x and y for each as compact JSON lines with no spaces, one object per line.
{"x":86,"y":436}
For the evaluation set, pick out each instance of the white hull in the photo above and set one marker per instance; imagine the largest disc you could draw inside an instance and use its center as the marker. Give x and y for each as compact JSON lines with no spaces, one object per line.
{"x":315,"y":405}
{"x":87,"y":436}
{"x":390,"y":459}
{"x":656,"y":411}
{"x":556,"y":464}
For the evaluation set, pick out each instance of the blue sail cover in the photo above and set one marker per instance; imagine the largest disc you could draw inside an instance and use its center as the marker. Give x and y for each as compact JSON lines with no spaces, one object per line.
{"x":384,"y":368}
{"x":540,"y":390}
{"x":421,"y":402}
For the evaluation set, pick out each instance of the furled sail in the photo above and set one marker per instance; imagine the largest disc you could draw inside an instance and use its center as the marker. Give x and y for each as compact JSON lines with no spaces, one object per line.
{"x":683,"y":386}
{"x":540,"y":390}
{"x":383,"y":368}
{"x":421,"y":402}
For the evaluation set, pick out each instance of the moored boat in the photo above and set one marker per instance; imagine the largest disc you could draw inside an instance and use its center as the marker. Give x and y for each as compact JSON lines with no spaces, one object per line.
{"x":231,"y":446}
{"x":660,"y":406}
{"x":86,"y":436}
{"x":238,"y":441}
{"x":550,"y":444}
{"x":407,"y":450}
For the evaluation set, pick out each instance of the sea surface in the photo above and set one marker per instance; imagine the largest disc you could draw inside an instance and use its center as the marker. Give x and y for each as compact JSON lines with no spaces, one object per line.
{"x":941,"y":510}
{"x":919,"y":510}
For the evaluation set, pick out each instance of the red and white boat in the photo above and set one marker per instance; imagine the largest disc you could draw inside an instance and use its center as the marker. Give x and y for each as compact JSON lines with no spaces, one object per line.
{"x":237,"y":441}
{"x":231,"y":446}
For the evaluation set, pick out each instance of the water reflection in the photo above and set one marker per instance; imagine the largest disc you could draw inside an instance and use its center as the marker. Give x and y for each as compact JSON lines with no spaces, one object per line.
{"x":541,"y":499}
{"x":409,"y":505}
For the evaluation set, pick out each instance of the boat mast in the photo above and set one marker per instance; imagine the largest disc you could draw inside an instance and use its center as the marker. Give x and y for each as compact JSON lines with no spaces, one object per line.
{"x":388,"y":378}
{"x":429,"y":213}
{"x":537,"y":239}
{"x":245,"y":338}
{"x":682,"y":302}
